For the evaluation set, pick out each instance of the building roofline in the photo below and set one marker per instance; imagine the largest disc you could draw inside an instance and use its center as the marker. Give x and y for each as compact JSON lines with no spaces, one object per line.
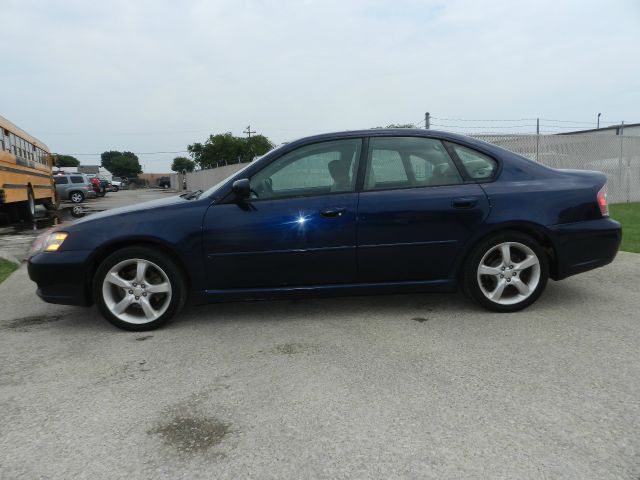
{"x":610,"y":127}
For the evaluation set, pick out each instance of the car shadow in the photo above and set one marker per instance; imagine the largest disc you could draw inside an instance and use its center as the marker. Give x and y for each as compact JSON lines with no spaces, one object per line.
{"x":345,"y":307}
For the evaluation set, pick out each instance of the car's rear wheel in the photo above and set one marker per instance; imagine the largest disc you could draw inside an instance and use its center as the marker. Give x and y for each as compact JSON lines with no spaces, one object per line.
{"x":506,"y":272}
{"x":76,"y":197}
{"x":139,"y":288}
{"x":115,"y":188}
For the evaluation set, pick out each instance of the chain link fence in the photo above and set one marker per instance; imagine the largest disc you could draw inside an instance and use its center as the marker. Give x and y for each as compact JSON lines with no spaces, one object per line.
{"x":617,"y":156}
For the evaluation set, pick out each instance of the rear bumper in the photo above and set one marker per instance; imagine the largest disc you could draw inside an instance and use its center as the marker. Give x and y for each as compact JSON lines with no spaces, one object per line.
{"x":62,"y":277}
{"x":584,"y":246}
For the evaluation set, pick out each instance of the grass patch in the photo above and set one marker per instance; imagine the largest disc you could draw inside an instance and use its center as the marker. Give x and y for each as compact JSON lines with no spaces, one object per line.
{"x":6,"y":269}
{"x":628,"y":214}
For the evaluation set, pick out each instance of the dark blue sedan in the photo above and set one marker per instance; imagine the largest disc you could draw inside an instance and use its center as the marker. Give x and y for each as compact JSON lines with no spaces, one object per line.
{"x":363,"y":212}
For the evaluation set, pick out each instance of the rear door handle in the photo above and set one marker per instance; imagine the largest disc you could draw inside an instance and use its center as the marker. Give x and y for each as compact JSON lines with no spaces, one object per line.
{"x":333,"y":212}
{"x":464,"y":202}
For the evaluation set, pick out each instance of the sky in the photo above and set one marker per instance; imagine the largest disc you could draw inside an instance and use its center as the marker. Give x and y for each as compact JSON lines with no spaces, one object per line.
{"x":154,"y":75}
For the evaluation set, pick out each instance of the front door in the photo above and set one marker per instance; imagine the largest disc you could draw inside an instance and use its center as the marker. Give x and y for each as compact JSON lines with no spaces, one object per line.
{"x":298,"y":228}
{"x":415,"y":211}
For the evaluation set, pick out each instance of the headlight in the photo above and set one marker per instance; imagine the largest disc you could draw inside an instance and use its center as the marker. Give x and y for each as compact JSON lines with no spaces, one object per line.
{"x":48,"y":241}
{"x":54,"y":241}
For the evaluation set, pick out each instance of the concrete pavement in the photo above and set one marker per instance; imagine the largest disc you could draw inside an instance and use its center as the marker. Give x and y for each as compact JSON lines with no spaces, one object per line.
{"x":415,"y":386}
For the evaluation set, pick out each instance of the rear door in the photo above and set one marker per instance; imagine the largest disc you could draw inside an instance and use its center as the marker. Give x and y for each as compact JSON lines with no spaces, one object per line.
{"x":415,"y":211}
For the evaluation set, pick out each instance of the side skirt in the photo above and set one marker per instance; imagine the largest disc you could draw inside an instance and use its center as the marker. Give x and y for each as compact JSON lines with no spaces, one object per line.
{"x":315,"y":291}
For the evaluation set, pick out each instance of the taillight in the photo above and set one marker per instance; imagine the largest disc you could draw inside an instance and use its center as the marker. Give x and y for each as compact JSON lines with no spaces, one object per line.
{"x":602,"y":202}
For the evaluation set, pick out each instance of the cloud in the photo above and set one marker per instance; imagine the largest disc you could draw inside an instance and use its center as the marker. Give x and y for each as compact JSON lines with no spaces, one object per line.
{"x":157,"y":75}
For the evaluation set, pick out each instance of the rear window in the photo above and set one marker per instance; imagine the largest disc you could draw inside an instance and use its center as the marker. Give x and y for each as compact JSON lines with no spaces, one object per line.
{"x":61,"y":180}
{"x":477,"y":165}
{"x":77,"y":180}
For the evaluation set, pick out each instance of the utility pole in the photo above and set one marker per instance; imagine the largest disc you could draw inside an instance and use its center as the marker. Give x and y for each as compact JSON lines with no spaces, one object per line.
{"x":427,"y":121}
{"x":248,"y":131}
{"x":598,"y":127}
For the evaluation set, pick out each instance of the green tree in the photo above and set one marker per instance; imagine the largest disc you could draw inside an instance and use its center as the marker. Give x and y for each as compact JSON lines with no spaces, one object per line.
{"x":183,"y":163}
{"x":400,"y":125}
{"x":108,"y":157}
{"x":65,"y":161}
{"x":224,"y":148}
{"x":125,"y":165}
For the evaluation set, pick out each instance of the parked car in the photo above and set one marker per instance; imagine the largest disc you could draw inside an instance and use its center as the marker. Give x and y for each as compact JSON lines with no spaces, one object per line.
{"x":74,"y":187}
{"x":116,"y":184}
{"x":363,"y":212}
{"x":164,"y":182}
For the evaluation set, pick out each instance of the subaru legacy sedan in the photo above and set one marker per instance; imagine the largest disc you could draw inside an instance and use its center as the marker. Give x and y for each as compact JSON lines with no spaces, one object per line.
{"x":362,"y":212}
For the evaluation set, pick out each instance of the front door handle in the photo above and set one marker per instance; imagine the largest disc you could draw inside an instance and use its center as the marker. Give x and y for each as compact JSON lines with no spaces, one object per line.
{"x":333,"y":212}
{"x":464,"y":202}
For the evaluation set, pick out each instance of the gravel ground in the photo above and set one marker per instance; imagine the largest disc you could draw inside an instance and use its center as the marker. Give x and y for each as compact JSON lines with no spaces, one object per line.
{"x":414,"y":386}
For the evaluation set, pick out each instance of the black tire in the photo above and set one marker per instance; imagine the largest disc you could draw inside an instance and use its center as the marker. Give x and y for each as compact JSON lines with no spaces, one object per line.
{"x":115,"y":188}
{"x":473,"y":283}
{"x":157,"y":258}
{"x":52,"y":203}
{"x":76,"y":196}
{"x":27,"y":210}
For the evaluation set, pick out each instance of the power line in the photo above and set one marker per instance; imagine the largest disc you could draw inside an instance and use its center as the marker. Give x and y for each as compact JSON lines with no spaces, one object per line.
{"x":135,"y":153}
{"x":483,"y":126}
{"x":483,"y":120}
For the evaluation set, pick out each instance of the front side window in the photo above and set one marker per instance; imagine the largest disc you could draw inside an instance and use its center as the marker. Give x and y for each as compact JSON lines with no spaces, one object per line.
{"x":318,"y":169}
{"x":409,"y":162}
{"x":477,"y":165}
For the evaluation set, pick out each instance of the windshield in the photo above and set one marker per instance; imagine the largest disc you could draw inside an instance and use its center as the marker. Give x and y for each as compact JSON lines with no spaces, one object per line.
{"x":211,"y":190}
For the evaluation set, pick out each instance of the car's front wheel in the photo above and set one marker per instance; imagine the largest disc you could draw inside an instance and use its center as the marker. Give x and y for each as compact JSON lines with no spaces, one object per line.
{"x":506,"y":272}
{"x":139,"y":288}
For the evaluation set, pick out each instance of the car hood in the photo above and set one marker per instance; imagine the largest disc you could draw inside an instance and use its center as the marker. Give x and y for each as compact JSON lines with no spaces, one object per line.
{"x":139,"y":207}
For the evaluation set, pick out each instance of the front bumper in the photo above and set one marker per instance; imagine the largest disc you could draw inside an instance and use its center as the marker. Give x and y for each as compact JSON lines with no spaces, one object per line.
{"x":584,"y":246}
{"x":62,"y":277}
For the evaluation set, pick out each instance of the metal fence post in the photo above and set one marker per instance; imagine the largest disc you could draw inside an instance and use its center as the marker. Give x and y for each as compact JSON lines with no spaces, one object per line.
{"x":621,"y":160}
{"x":537,"y":137}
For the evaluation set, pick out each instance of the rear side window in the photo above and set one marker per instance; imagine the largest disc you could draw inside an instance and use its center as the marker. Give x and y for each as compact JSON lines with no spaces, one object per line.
{"x":477,"y":165}
{"x":409,"y":162}
{"x":77,"y":180}
{"x":61,"y":180}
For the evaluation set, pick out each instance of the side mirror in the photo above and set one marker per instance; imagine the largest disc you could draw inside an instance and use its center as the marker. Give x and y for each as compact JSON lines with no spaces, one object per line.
{"x":241,"y":189}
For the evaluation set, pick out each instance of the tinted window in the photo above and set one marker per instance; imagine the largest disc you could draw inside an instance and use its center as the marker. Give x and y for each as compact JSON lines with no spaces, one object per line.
{"x":404,"y":162}
{"x":477,"y":165}
{"x":61,"y":180}
{"x":317,"y":169}
{"x":77,"y":180}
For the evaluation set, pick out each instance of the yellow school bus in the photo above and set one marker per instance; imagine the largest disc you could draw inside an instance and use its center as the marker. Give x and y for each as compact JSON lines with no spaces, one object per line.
{"x":25,"y":173}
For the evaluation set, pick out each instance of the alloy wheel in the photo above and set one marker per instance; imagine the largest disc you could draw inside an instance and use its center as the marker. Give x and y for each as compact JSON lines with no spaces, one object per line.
{"x":508,"y":273}
{"x":136,"y":291}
